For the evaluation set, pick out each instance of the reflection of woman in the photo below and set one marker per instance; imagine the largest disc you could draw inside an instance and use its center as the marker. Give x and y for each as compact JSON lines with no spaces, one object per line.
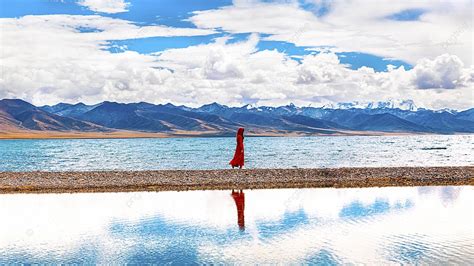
{"x":238,"y":159}
{"x":239,"y":199}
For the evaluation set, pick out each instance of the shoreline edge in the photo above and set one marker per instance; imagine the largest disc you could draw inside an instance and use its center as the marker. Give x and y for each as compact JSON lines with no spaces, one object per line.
{"x":183,"y":180}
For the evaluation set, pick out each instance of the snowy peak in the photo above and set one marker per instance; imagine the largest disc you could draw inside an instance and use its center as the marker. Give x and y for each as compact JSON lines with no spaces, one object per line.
{"x":250,"y":106}
{"x":212,"y":107}
{"x":407,"y":105}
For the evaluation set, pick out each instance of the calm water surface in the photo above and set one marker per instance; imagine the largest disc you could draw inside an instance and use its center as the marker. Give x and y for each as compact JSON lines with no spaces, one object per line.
{"x":411,"y":225}
{"x":212,"y":153}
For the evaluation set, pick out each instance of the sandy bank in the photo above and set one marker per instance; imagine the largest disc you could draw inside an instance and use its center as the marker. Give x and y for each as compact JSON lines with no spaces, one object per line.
{"x":107,"y":181}
{"x":35,"y":134}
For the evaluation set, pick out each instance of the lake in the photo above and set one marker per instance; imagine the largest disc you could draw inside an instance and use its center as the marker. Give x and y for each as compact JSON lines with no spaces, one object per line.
{"x":215,"y":153}
{"x":409,"y":225}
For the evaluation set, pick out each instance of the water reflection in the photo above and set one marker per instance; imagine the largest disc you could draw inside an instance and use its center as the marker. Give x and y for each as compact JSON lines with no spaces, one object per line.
{"x":239,"y":199}
{"x":426,"y":225}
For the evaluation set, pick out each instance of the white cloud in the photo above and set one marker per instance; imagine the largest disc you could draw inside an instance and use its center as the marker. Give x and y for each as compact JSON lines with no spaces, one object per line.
{"x":322,"y":68}
{"x":444,"y":72}
{"x":272,"y":78}
{"x":362,"y":26}
{"x":106,"y":6}
{"x":46,"y":59}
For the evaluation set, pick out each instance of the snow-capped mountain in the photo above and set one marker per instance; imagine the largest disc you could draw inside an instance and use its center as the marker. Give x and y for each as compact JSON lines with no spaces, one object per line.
{"x":342,"y":118}
{"x":407,"y":105}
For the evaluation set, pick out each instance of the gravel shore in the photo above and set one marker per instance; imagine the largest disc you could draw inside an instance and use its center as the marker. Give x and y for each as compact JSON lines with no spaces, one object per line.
{"x":115,"y":181}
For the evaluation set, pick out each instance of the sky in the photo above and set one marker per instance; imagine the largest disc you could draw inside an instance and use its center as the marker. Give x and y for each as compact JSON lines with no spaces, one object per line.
{"x":306,"y":52}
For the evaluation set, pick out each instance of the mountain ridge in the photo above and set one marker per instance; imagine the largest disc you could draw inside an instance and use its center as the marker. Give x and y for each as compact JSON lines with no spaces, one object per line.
{"x":21,"y":115}
{"x":217,"y":119}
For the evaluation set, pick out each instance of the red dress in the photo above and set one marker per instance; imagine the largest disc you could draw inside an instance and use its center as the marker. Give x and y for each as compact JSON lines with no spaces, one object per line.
{"x":238,"y":159}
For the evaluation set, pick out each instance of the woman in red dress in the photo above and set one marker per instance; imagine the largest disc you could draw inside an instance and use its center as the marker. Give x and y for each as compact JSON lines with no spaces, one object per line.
{"x":238,"y":159}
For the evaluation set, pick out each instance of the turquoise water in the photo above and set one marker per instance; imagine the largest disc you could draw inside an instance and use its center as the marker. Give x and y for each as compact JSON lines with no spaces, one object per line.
{"x":375,"y":226}
{"x":213,"y":153}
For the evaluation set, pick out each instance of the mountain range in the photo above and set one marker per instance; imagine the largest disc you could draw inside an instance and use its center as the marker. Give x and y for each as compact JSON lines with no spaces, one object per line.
{"x":216,"y":119}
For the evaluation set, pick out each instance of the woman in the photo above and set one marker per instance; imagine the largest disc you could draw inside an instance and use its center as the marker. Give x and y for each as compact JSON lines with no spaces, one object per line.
{"x":238,"y":159}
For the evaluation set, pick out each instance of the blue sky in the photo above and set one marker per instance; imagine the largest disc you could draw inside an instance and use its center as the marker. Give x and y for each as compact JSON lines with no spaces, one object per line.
{"x":407,"y":15}
{"x":270,"y":52}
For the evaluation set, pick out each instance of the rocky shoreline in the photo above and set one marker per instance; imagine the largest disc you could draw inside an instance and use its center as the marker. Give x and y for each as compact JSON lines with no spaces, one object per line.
{"x":180,"y":180}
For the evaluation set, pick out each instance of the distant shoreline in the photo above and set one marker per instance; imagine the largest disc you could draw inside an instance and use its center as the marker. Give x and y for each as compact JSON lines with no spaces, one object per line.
{"x":182,"y":180}
{"x":5,"y":135}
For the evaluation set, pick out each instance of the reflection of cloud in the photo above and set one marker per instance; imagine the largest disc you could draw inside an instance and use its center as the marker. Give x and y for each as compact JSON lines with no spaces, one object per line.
{"x":281,"y":225}
{"x":380,"y":206}
{"x":289,"y":222}
{"x":449,"y":194}
{"x":356,"y":209}
{"x":406,"y":250}
{"x":425,"y":190}
{"x":363,"y":239}
{"x":323,"y":257}
{"x":446,"y":194}
{"x":53,"y":257}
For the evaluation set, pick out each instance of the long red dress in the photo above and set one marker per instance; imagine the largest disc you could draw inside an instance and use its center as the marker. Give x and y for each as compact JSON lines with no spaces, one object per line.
{"x":238,"y":159}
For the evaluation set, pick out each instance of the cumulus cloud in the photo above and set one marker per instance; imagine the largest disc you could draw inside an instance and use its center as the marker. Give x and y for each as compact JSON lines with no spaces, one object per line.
{"x":359,"y":25}
{"x":48,"y":59}
{"x":444,"y":72}
{"x":270,"y":77}
{"x":106,"y":6}
{"x":322,"y":68}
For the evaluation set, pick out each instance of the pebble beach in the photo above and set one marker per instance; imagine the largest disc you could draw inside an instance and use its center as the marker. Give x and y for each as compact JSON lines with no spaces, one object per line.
{"x":181,"y":180}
